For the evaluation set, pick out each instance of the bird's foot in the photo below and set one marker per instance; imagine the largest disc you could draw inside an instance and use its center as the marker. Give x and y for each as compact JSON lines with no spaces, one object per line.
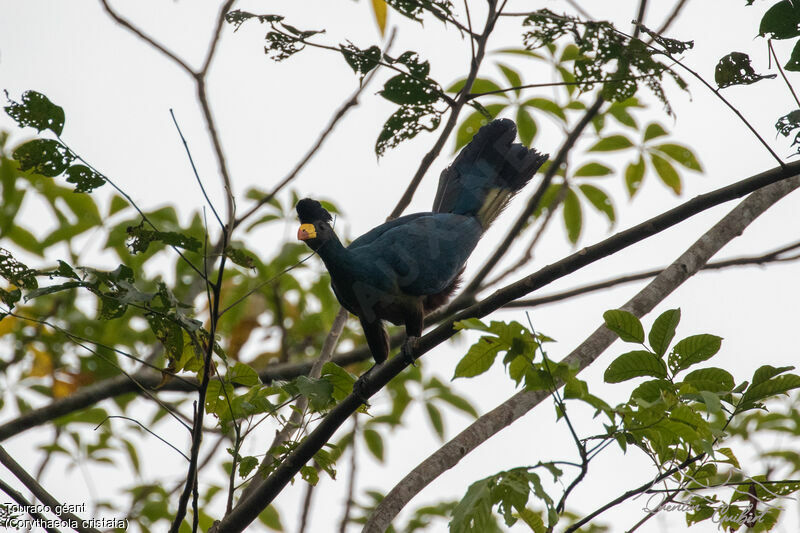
{"x":360,"y":386}
{"x":408,"y":348}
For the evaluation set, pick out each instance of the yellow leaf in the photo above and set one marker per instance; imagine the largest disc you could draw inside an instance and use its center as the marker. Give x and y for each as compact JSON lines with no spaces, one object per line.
{"x":7,"y":325}
{"x":62,"y":389}
{"x":42,"y":364}
{"x":379,"y":8}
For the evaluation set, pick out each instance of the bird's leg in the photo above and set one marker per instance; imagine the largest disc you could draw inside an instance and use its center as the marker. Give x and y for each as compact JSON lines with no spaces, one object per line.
{"x":407,"y":350}
{"x":359,"y":387}
{"x":414,"y":322}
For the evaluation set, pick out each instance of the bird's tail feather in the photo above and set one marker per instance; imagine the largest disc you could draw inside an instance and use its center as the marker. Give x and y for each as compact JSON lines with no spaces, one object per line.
{"x":487,"y":173}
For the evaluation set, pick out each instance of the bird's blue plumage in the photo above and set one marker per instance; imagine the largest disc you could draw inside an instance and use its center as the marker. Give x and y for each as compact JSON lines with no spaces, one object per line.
{"x":406,"y":267}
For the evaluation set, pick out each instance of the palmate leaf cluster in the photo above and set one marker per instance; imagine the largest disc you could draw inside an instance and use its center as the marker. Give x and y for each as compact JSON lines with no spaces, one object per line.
{"x":680,"y":411}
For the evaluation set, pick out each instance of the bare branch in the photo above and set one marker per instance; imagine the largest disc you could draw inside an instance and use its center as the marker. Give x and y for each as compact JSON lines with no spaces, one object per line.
{"x":20,"y":499}
{"x":146,"y":38}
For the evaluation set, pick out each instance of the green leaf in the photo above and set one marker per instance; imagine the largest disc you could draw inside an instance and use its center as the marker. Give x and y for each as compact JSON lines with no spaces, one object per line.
{"x":653,"y":131}
{"x":624,"y":324}
{"x":374,"y":443}
{"x":44,"y":156}
{"x":318,"y":391}
{"x":781,"y":21}
{"x":620,"y":112}
{"x":634,"y":174}
{"x":462,"y":404}
{"x":599,"y":199}
{"x":37,"y":111}
{"x":474,"y":512}
{"x":405,"y":124}
{"x":243,"y":375}
{"x":339,"y":378}
{"x":270,"y":518}
{"x":361,"y":61}
{"x":666,"y":172}
{"x":84,"y":178}
{"x":651,"y":390}
{"x":471,"y":125}
{"x":573,"y":216}
{"x":141,"y":239}
{"x":513,"y":77}
{"x":735,"y":69}
{"x":692,"y":350}
{"x":435,"y":417}
{"x":240,"y":257}
{"x":766,"y":372}
{"x":710,"y":379}
{"x":246,"y":465}
{"x":712,"y":402}
{"x":663,"y":331}
{"x":767,"y":389}
{"x":25,"y":240}
{"x":611,"y":143}
{"x":479,"y":358}
{"x":526,"y":126}
{"x":547,"y":106}
{"x":635,"y":364}
{"x":480,"y":85}
{"x":793,"y":64}
{"x":592,"y":170}
{"x":16,"y":272}
{"x":680,"y":154}
{"x":42,"y":291}
{"x":118,"y":203}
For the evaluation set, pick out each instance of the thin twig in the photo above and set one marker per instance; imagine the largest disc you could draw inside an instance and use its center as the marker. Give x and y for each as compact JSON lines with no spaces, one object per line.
{"x":783,"y":74}
{"x":147,"y":429}
{"x":146,"y":38}
{"x":351,"y":482}
{"x":472,"y":96}
{"x":194,"y":168}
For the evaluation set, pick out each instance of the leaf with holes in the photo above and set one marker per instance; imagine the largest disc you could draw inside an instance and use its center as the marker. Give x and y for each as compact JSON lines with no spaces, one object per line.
{"x":692,"y":350}
{"x":37,"y":111}
{"x":735,"y":69}
{"x":361,"y":61}
{"x":84,"y":178}
{"x":405,"y":124}
{"x":781,"y":21}
{"x":44,"y":156}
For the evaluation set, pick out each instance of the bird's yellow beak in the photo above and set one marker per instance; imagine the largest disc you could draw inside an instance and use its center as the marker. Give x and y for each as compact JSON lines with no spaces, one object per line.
{"x":306,"y":231}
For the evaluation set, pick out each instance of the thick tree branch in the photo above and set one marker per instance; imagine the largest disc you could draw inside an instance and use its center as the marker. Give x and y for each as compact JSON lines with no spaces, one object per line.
{"x":689,"y":263}
{"x":41,"y":494}
{"x":249,"y":508}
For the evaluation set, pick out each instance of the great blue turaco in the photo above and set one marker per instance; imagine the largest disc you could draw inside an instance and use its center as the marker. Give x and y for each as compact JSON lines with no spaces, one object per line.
{"x":407,"y":267}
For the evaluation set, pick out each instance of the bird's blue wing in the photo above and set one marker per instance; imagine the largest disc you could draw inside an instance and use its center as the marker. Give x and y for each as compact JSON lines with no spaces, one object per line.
{"x":424,"y":253}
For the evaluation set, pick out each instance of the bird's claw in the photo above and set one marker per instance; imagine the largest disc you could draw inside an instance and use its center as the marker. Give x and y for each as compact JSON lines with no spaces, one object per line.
{"x":408,"y":348}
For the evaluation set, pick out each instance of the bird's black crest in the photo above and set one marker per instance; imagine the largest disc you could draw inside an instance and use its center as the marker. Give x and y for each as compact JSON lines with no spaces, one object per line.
{"x":309,"y":211}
